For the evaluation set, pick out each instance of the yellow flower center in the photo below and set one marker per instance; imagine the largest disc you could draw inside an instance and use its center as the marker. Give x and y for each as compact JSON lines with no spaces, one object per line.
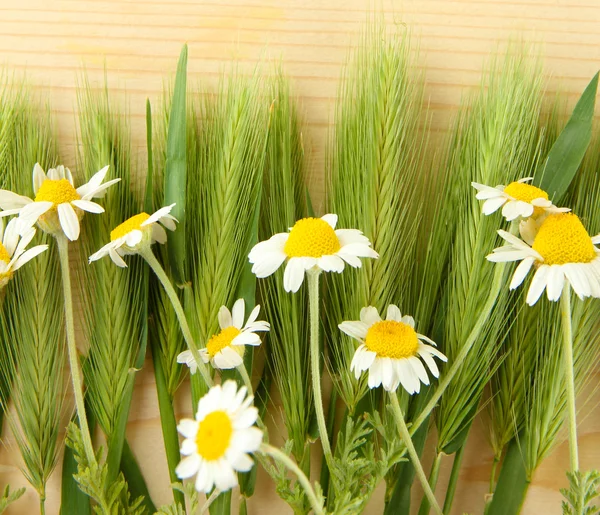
{"x":391,"y":339}
{"x":57,"y":192}
{"x":219,"y":341}
{"x":562,"y":239}
{"x":311,"y":237}
{"x":4,"y":255}
{"x":526,"y":193}
{"x":213,"y":436}
{"x":131,"y":224}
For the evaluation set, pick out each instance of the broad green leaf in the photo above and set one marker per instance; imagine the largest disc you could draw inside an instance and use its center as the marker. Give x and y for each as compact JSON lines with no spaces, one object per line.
{"x":512,"y":483}
{"x":567,"y":152}
{"x":176,"y":168}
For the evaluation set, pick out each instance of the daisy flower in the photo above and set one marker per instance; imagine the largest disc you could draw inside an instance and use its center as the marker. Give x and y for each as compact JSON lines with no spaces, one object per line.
{"x":390,"y":349}
{"x":518,"y":199}
{"x":312,"y":244}
{"x":226,"y":349}
{"x":218,"y":443}
{"x":562,"y":250}
{"x":135,"y":234}
{"x":12,"y":250}
{"x":57,"y":206}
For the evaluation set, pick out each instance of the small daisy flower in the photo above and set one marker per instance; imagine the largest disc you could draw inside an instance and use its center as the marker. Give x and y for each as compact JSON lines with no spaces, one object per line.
{"x":226,"y":349}
{"x":562,"y":250}
{"x":518,"y":199}
{"x":135,"y":234}
{"x":390,"y":349}
{"x":218,"y":443}
{"x":312,"y":244}
{"x":57,"y":206}
{"x":12,"y":250}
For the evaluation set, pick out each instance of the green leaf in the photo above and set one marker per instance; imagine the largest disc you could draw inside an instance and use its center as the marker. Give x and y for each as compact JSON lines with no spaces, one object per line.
{"x":512,"y":483}
{"x":176,"y":168}
{"x":567,"y":152}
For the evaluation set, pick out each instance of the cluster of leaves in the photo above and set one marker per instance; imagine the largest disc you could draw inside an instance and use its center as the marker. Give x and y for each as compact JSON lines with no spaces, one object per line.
{"x":112,"y":497}
{"x":9,"y":497}
{"x":583,"y":489}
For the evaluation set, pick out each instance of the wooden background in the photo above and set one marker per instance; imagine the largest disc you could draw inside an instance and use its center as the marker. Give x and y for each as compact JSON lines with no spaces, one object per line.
{"x":138,"y":42}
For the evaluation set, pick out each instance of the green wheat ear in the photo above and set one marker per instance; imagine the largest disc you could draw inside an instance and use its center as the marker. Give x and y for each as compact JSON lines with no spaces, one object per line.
{"x":35,"y":359}
{"x":373,"y":180}
{"x":284,"y":202}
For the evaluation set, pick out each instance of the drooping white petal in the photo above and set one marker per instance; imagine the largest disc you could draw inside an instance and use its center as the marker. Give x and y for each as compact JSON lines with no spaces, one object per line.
{"x":159,"y":235}
{"x":157,"y":215}
{"x":430,"y":362}
{"x":555,"y":282}
{"x":387,"y":373}
{"x":227,"y":359}
{"x":293,"y":275}
{"x":352,"y":260}
{"x":68,"y":221}
{"x":521,"y":272}
{"x":274,"y":243}
{"x":331,"y":264}
{"x":187,"y":467}
{"x":375,"y":373}
{"x":419,"y":369}
{"x":492,"y":205}
{"x":225,"y":477}
{"x":359,"y":250}
{"x":268,"y":263}
{"x":28,"y":255}
{"x":538,"y":284}
{"x":10,"y":238}
{"x":116,"y":259}
{"x":31,"y":212}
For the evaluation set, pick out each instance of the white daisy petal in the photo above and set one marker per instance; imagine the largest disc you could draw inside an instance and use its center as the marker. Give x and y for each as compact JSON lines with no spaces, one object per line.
{"x":419,"y":369}
{"x":227,"y":359}
{"x":157,"y":215}
{"x":224,"y":316}
{"x":555,"y":282}
{"x":10,"y":200}
{"x":521,"y":272}
{"x":68,"y":221}
{"x":369,"y":316}
{"x":408,"y":320}
{"x":268,"y":264}
{"x":331,"y":264}
{"x":187,"y":467}
{"x":88,"y":205}
{"x":347,"y":236}
{"x":31,"y":212}
{"x":159,"y":235}
{"x":187,"y":427}
{"x":430,"y":362}
{"x":356,"y":329}
{"x":38,"y":177}
{"x":293,"y":275}
{"x":538,"y":284}
{"x":375,"y":374}
{"x":492,"y":205}
{"x":331,"y":219}
{"x":238,"y":312}
{"x":253,"y":315}
{"x":246,"y":338}
{"x":28,"y":256}
{"x":393,"y":313}
{"x":116,"y":259}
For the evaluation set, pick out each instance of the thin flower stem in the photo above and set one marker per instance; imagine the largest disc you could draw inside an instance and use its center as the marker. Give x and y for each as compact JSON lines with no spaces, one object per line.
{"x":248,"y":383}
{"x":565,"y":310}
{"x":313,"y":298}
{"x":433,"y":479}
{"x":63,"y":252}
{"x":209,"y":501}
{"x":284,"y":459}
{"x":412,"y":452}
{"x":453,"y":481}
{"x":464,"y":351}
{"x":157,"y":268}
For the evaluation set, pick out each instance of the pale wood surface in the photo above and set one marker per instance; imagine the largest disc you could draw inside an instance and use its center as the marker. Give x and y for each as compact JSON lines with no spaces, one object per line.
{"x":138,"y":41}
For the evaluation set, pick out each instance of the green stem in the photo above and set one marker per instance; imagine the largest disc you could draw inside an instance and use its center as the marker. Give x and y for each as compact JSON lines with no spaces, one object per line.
{"x":248,"y":383}
{"x":565,"y":310}
{"x":63,"y":252}
{"x":42,"y":505}
{"x":453,"y":482}
{"x":466,"y":348}
{"x":412,"y":452}
{"x":313,"y":297}
{"x":493,"y":474}
{"x":284,"y":459}
{"x":433,"y":479}
{"x":148,"y":255}
{"x":209,"y":501}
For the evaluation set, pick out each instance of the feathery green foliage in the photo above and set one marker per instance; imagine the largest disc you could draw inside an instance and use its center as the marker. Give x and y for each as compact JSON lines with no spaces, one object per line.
{"x":373,"y":182}
{"x":284,"y":203}
{"x":31,"y":326}
{"x":113,"y":298}
{"x":111,"y":495}
{"x":9,"y":497}
{"x":582,"y":492}
{"x":498,"y":144}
